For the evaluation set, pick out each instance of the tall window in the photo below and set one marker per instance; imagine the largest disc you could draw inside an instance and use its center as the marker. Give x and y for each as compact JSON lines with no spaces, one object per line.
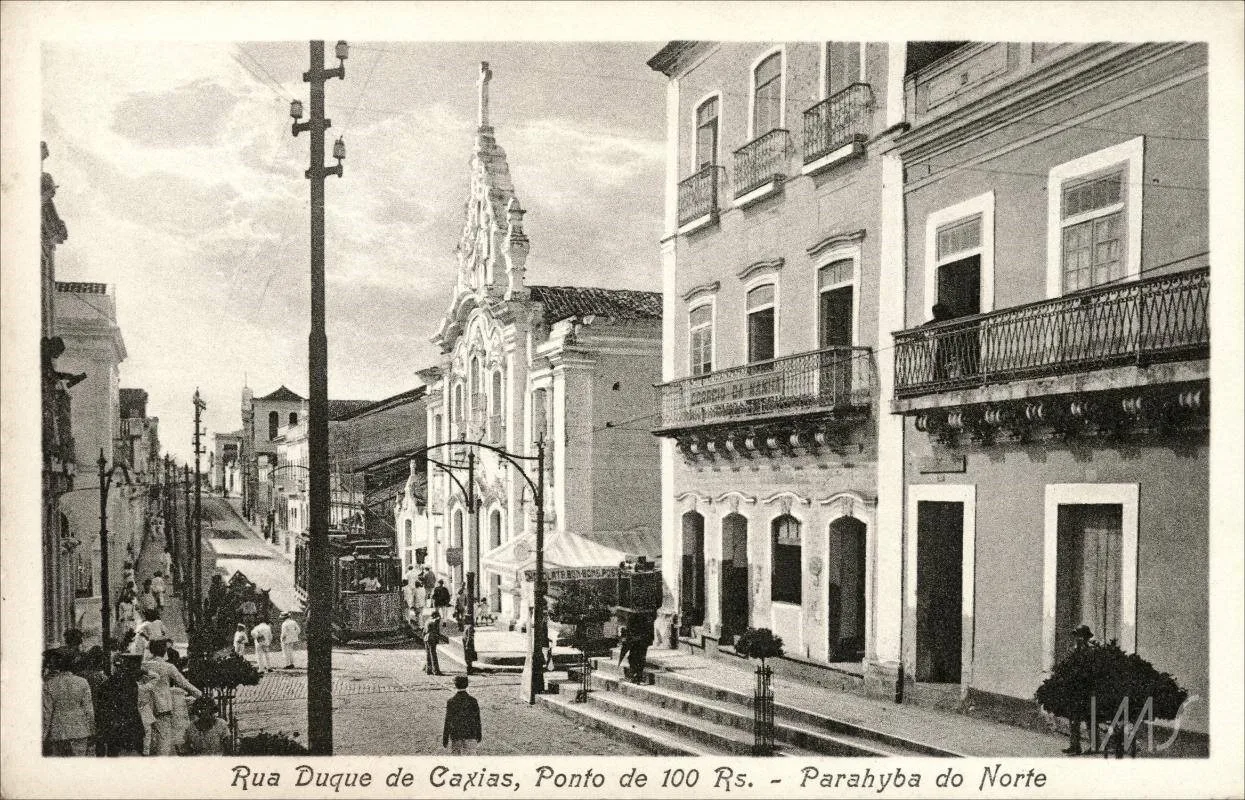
{"x":293,"y":417}
{"x":707,"y":133}
{"x":274,"y":419}
{"x":787,"y":564}
{"x":408,"y":537}
{"x":700,"y":341}
{"x":767,"y":95}
{"x":842,"y":66}
{"x":760,"y":303}
{"x":959,"y":266}
{"x":1092,"y":213}
{"x":494,"y":529}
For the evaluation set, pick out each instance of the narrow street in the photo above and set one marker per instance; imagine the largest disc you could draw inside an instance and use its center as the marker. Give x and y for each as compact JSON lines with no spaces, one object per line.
{"x":383,"y":703}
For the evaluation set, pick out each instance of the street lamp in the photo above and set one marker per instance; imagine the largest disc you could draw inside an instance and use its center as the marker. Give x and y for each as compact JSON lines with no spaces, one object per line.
{"x":105,"y":609}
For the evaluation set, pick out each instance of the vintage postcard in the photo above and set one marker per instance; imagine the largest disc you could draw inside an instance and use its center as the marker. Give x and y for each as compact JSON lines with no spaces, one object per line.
{"x":622,"y":400}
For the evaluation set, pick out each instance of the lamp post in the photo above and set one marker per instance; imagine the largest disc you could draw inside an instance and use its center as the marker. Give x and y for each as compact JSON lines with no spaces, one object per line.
{"x":105,"y":609}
{"x":473,"y":531}
{"x":320,"y":567}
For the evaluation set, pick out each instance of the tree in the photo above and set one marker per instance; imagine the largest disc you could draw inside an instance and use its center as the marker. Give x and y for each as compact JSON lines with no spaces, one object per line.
{"x":759,"y":643}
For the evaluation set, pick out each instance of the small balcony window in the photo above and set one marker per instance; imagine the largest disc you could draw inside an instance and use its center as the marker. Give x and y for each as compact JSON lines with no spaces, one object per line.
{"x":700,"y":339}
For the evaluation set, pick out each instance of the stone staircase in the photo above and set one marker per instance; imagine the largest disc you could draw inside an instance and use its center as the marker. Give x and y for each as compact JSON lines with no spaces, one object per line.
{"x":681,"y":715}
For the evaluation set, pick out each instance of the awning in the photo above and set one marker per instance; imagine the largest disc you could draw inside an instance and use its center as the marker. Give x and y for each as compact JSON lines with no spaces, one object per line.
{"x":568,"y":550}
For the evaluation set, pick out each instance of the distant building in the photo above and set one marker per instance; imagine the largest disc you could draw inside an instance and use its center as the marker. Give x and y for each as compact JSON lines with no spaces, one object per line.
{"x":569,"y":366}
{"x":262,"y":419}
{"x":139,"y":437}
{"x":227,"y":462}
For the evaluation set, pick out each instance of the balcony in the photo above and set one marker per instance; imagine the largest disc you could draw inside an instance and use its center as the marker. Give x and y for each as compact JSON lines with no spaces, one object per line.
{"x":761,"y":166}
{"x":836,"y":128}
{"x":769,"y":405}
{"x":1115,"y":338}
{"x":698,"y":198}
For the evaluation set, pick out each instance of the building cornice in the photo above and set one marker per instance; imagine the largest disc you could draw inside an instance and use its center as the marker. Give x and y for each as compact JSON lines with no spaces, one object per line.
{"x":1035,"y":91}
{"x":704,"y":288}
{"x":676,"y":57}
{"x":757,"y":267}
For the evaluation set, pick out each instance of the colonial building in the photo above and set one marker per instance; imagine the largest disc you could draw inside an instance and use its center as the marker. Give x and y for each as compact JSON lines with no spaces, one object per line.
{"x":86,"y":321}
{"x":1055,"y":408}
{"x":262,"y":418}
{"x":772,"y":262}
{"x":59,"y":546}
{"x":226,"y":462}
{"x":571,"y":367}
{"x":139,"y":441}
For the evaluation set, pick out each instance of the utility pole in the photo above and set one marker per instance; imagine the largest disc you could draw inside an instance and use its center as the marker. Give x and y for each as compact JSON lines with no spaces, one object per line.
{"x":473,"y":528}
{"x":540,"y":628}
{"x":320,"y":566}
{"x":190,"y":552}
{"x":200,"y":405}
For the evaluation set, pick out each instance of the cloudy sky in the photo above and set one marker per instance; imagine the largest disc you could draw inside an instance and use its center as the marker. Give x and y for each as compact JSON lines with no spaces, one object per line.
{"x":182,"y":186}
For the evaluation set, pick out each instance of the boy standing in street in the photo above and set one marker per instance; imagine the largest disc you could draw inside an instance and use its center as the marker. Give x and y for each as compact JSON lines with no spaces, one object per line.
{"x":462,"y":721}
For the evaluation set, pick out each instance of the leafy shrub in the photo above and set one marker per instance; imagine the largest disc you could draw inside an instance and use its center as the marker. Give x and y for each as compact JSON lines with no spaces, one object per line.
{"x":271,"y":744}
{"x":223,"y":672}
{"x":580,"y":604}
{"x":1108,"y":674}
{"x":759,"y":643}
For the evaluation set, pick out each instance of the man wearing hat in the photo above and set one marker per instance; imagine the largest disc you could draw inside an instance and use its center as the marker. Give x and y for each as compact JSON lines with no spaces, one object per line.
{"x":289,"y":635}
{"x":119,"y":724}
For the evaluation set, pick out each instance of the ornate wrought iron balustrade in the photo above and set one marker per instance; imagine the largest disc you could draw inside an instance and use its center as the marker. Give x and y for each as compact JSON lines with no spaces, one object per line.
{"x":840,"y":119}
{"x":1141,"y":322}
{"x":761,"y":160}
{"x":829,"y":379}
{"x":698,"y":194}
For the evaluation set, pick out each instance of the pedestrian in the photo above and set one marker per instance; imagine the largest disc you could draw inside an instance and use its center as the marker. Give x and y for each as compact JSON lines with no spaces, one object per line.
{"x":239,"y":640}
{"x":1080,"y":640}
{"x":441,"y":598}
{"x":462,"y":721}
{"x":127,"y":573}
{"x":138,"y":645}
{"x":68,"y":710}
{"x":153,"y":628}
{"x":167,"y":676}
{"x":641,"y":632}
{"x":410,"y":583}
{"x":215,"y":595}
{"x":289,"y":635}
{"x":469,"y":644}
{"x":166,"y":559}
{"x":262,"y":634}
{"x":119,"y":724}
{"x":147,"y":600}
{"x":429,"y":581}
{"x":181,"y":701}
{"x":208,"y":735}
{"x":157,"y":589}
{"x":432,"y":637}
{"x":126,"y":620}
{"x":460,"y":605}
{"x":72,"y":648}
{"x":147,"y":707}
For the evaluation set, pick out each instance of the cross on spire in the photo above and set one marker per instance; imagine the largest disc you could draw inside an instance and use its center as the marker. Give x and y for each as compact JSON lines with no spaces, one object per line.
{"x":485,"y":76}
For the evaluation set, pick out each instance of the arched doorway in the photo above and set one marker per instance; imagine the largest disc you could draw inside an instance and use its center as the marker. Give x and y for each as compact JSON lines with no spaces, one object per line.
{"x":494,"y":529}
{"x":845,"y":606}
{"x":692,"y":585}
{"x":735,"y":595}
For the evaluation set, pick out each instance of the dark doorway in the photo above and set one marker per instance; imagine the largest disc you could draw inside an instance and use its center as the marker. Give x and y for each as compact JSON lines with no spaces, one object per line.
{"x":845,"y":607}
{"x":1088,"y":572}
{"x":734,"y":594}
{"x":939,"y":590}
{"x":692,"y":586}
{"x":835,"y":332}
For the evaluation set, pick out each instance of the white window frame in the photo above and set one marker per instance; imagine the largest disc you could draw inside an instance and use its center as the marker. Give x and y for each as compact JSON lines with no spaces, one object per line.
{"x":805,"y":558}
{"x":841,"y":254}
{"x":966,"y":494}
{"x":782,"y":89}
{"x":717,"y":152}
{"x":1130,"y":155}
{"x":1125,"y":495}
{"x":824,"y":80}
{"x":983,"y":205}
{"x":763,"y":280}
{"x":710,"y":301}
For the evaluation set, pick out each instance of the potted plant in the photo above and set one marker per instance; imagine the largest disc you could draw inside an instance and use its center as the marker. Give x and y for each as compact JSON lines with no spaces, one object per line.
{"x":1094,"y":680}
{"x":271,"y":744}
{"x":583,"y":607}
{"x":762,"y":644}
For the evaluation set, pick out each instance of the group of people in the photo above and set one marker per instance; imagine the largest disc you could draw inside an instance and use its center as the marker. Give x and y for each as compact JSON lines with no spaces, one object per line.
{"x":142,"y":708}
{"x":261,"y":636}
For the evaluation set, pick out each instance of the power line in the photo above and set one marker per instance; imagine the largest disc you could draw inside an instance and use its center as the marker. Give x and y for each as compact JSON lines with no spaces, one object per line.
{"x":274,"y":82}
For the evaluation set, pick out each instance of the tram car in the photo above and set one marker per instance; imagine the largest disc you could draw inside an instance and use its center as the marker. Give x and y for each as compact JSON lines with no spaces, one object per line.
{"x":366,"y":589}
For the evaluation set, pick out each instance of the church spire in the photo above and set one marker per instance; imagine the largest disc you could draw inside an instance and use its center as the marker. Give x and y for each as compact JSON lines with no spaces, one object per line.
{"x":482,"y":113}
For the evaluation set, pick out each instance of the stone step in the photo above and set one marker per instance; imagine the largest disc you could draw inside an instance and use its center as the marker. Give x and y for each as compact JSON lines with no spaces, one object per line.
{"x":698,"y":732}
{"x":738,"y":717}
{"x":654,"y":740}
{"x":785,"y":714}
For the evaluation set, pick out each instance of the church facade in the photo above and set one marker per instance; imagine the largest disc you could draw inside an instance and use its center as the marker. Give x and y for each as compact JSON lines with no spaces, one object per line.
{"x":563,"y":366}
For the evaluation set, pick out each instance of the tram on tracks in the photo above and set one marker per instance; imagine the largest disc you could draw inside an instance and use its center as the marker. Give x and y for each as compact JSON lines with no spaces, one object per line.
{"x":367,"y":585}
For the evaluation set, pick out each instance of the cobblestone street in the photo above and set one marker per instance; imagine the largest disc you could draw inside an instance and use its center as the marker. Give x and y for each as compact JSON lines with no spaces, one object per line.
{"x":384,"y":704}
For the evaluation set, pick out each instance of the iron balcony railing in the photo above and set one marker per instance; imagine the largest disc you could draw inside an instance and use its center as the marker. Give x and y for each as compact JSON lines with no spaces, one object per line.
{"x":834,"y":378}
{"x":839,"y":120}
{"x":698,"y":195}
{"x":1146,"y":321}
{"x":761,"y":160}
